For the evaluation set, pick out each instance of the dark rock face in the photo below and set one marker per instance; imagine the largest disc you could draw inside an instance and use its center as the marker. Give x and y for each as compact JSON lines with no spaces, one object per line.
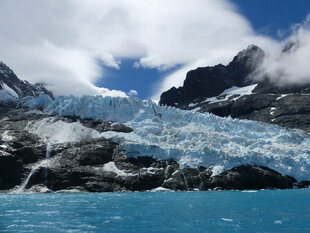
{"x":267,"y":87}
{"x":284,"y":105}
{"x":212,"y":81}
{"x":18,"y":148}
{"x":102,"y":126}
{"x":98,"y":165}
{"x":251,"y":177}
{"x":22,"y":88}
{"x":292,"y":111}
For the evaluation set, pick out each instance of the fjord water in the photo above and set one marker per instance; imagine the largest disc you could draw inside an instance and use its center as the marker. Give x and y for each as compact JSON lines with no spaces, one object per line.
{"x":261,"y":211}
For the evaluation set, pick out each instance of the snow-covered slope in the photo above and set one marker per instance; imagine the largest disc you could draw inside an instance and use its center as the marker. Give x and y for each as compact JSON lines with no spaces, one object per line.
{"x":7,"y":94}
{"x":232,"y":94}
{"x":190,"y":138}
{"x":6,"y":97}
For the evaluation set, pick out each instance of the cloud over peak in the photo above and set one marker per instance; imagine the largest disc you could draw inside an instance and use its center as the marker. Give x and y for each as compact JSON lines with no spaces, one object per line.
{"x":289,"y":65}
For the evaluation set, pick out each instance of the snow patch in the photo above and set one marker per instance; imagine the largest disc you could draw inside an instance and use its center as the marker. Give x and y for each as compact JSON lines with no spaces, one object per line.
{"x":6,"y":137}
{"x":225,"y":95}
{"x":10,"y":90}
{"x":216,"y":170}
{"x":6,"y":97}
{"x":272,"y":110}
{"x":111,"y":167}
{"x":196,"y":109}
{"x":192,"y":105}
{"x":54,"y":131}
{"x":282,"y":96}
{"x":152,"y":170}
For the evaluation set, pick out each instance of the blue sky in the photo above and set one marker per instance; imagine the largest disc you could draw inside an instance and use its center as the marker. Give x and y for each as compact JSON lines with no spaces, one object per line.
{"x":127,"y":78}
{"x":268,"y":17}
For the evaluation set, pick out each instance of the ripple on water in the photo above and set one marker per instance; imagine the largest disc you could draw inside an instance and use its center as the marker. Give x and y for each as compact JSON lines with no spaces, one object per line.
{"x":273,"y":211}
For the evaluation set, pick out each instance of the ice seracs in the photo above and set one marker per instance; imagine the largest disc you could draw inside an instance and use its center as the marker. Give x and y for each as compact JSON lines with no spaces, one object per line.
{"x":192,"y":139}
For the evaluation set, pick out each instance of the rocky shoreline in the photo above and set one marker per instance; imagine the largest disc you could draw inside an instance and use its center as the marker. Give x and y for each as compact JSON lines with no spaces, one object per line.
{"x":28,"y":164}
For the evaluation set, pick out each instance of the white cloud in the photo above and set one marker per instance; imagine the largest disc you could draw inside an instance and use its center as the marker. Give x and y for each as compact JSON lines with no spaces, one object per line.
{"x":291,"y":67}
{"x":61,"y":42}
{"x":132,"y":93}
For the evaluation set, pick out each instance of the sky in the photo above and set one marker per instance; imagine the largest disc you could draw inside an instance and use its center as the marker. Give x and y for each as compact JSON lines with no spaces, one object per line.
{"x":142,"y":48}
{"x":273,"y":18}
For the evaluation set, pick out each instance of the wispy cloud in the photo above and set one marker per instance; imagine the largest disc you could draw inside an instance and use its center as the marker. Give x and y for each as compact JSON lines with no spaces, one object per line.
{"x":132,"y":93}
{"x":290,"y":66}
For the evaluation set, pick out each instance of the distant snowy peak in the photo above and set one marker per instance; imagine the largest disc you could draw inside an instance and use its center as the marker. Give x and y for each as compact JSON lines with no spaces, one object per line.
{"x":12,"y":87}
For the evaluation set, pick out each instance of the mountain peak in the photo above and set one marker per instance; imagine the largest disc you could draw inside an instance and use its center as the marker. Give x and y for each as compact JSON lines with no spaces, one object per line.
{"x":13,"y":87}
{"x":252,"y":53}
{"x":211,"y":81}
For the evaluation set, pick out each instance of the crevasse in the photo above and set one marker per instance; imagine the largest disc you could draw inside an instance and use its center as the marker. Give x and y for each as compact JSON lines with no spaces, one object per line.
{"x":192,"y":139}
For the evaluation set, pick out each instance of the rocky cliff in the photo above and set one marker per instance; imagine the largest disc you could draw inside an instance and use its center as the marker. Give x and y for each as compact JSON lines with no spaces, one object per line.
{"x":231,"y":91}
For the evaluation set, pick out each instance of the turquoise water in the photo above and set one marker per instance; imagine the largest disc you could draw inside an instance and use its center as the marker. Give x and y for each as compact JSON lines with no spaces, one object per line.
{"x":262,"y":211}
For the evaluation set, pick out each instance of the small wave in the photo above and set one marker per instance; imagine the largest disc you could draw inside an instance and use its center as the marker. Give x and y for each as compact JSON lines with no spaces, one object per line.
{"x":227,"y":219}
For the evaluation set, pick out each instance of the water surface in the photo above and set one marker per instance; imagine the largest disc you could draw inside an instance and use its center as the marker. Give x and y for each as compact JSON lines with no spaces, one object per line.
{"x":262,"y":211}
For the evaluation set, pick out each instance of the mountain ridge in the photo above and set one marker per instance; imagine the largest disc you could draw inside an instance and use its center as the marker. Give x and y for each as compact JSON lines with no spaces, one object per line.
{"x":285,"y":105}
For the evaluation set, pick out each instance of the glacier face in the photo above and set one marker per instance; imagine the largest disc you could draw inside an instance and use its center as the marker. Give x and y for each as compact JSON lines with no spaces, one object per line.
{"x":190,"y":138}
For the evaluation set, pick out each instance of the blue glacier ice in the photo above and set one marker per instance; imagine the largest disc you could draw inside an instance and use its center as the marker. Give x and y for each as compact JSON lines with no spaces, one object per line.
{"x":191,"y":138}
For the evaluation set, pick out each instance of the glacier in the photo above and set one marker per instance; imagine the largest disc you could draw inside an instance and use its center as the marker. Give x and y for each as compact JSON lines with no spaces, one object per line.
{"x":192,"y":139}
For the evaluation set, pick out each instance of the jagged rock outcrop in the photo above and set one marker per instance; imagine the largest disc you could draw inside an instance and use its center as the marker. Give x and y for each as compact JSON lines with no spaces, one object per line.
{"x":17,"y":88}
{"x":205,"y":90}
{"x":212,"y":81}
{"x":250,"y":177}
